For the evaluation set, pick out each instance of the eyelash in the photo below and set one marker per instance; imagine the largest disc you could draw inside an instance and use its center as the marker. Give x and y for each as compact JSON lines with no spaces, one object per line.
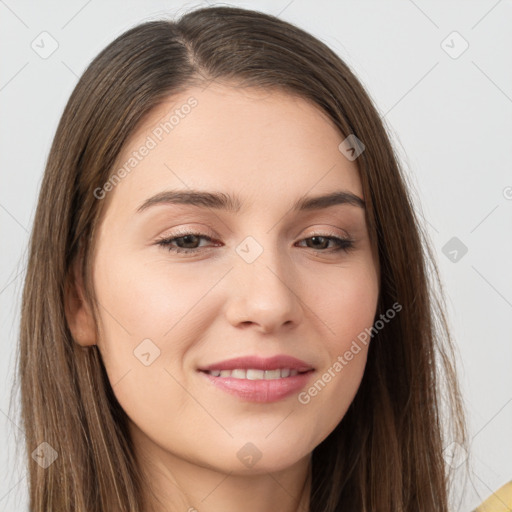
{"x":344,"y":244}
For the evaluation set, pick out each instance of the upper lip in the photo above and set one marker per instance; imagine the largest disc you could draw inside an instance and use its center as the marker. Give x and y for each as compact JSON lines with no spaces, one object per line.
{"x":260,"y":363}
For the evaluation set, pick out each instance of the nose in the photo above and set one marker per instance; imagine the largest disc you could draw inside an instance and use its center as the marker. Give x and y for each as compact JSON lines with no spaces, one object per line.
{"x":265,"y":292}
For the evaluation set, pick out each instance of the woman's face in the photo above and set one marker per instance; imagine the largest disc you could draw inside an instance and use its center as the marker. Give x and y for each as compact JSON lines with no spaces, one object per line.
{"x":264,"y":281}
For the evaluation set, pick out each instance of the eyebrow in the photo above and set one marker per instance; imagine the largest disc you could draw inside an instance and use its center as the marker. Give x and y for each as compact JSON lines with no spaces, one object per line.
{"x":222,"y":201}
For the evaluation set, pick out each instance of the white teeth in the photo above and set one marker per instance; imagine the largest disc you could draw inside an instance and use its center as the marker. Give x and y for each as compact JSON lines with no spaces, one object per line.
{"x":254,"y":374}
{"x":273,"y":374}
{"x":238,"y":374}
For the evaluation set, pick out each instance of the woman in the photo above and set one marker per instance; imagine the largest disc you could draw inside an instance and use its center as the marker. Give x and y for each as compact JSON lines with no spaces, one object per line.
{"x":228,"y":303}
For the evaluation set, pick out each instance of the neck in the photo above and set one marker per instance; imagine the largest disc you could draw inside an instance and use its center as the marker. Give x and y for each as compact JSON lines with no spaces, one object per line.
{"x":173,"y":484}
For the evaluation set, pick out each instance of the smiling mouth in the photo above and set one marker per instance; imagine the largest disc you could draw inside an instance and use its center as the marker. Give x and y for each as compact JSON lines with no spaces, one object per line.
{"x":259,"y":379}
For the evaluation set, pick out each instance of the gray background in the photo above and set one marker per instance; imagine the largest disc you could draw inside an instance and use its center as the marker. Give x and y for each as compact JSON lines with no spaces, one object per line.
{"x":449,"y":116}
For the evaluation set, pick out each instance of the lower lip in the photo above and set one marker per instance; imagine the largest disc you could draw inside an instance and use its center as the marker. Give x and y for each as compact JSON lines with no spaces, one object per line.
{"x":262,"y":391}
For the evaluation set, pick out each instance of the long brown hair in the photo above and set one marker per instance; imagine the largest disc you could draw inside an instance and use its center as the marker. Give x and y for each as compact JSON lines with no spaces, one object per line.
{"x":387,"y":452}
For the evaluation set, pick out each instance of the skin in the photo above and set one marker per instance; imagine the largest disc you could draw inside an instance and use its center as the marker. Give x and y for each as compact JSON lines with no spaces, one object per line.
{"x":296,"y":298}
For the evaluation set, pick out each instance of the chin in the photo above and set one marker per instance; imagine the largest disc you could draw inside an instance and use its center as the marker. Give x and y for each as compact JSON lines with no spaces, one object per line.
{"x":258,"y":455}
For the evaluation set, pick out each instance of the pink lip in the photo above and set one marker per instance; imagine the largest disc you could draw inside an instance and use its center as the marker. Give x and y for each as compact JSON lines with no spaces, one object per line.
{"x":260,"y":363}
{"x":262,"y":391}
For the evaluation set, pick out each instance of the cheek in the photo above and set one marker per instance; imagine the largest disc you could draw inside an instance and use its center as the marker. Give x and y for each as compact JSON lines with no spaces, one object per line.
{"x":149,"y":299}
{"x":356,"y":311}
{"x":348,"y":310}
{"x":346,"y":304}
{"x":151,"y":314}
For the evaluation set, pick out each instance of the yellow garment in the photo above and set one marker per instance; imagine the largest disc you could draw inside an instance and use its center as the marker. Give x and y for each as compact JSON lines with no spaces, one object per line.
{"x":499,"y":501}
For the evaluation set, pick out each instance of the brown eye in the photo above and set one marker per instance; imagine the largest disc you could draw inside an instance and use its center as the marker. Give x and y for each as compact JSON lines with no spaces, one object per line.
{"x":321,"y":243}
{"x":186,"y":243}
{"x":189,"y":243}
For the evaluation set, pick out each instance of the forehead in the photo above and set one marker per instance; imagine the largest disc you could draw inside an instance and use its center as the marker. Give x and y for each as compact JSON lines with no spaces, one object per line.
{"x":259,"y":144}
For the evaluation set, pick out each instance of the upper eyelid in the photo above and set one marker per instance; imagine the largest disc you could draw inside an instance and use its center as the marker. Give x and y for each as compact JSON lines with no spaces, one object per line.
{"x":205,"y":231}
{"x":202,"y":234}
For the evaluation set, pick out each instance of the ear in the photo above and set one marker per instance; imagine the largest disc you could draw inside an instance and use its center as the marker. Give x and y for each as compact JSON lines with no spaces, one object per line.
{"x":77,"y":310}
